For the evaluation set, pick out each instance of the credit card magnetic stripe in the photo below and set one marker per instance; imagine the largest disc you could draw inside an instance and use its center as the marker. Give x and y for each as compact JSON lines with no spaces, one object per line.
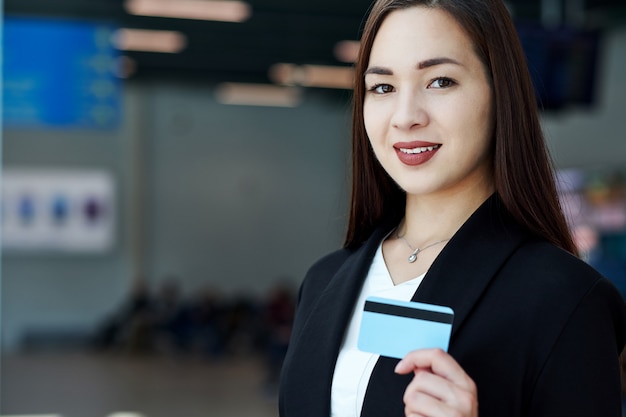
{"x":409,"y":312}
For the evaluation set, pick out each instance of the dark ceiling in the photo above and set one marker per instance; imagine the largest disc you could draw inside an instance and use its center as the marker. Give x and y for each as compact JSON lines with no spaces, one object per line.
{"x":279,"y":31}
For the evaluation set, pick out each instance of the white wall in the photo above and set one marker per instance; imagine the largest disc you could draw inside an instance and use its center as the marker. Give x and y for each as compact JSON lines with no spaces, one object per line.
{"x":238,"y":197}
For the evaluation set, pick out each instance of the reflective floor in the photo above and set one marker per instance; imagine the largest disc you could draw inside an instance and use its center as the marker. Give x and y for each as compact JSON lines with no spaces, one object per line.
{"x":101,"y":385}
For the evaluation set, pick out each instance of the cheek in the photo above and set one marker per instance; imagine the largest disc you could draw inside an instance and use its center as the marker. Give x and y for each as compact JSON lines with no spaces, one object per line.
{"x":370,"y":122}
{"x":482,"y":122}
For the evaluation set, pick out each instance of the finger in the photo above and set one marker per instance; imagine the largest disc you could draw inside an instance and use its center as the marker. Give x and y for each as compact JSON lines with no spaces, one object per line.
{"x":421,"y":404}
{"x":439,"y":362}
{"x":440,"y":389}
{"x":433,"y":385}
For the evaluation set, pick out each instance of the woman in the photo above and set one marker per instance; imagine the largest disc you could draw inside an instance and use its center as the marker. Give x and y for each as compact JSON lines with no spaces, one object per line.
{"x":454,"y":204}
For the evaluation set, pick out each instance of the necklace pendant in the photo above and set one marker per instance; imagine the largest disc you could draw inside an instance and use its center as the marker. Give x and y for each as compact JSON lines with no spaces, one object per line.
{"x":412,"y":257}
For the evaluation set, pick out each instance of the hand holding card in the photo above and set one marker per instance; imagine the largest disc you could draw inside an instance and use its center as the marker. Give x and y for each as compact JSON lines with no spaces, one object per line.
{"x":394,"y":328}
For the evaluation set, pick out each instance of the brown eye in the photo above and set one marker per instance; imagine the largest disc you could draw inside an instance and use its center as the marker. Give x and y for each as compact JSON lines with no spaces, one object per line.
{"x":441,"y":83}
{"x":382,"y":89}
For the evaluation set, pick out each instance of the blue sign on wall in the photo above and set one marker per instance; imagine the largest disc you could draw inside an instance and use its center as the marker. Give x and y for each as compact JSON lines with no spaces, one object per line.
{"x":60,"y":74}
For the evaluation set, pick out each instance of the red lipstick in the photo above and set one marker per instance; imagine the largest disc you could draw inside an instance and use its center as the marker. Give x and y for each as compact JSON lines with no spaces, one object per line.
{"x":417,"y":152}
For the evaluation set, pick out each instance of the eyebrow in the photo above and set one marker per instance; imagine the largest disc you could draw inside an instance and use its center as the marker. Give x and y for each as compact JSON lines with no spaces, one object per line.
{"x":437,"y":61}
{"x":378,"y":70}
{"x":421,"y":65}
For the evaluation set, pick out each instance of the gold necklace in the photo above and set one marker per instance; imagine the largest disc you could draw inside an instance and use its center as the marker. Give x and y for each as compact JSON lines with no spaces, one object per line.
{"x":413,"y":256}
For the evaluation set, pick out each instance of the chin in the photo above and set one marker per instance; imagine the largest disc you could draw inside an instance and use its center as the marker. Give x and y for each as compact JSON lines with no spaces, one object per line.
{"x":418,"y":191}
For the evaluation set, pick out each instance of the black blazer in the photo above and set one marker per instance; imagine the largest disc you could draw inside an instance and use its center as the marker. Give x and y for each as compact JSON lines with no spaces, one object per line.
{"x":538,"y":330}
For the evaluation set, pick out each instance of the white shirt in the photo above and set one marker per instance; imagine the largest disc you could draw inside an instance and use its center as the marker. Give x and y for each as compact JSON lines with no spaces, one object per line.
{"x":354,"y":367}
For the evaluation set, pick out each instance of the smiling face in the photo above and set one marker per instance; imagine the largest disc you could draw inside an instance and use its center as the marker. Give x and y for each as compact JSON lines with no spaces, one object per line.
{"x":428,"y":105}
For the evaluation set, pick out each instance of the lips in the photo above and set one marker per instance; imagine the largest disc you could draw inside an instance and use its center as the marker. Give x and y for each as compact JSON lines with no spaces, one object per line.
{"x":416,"y":153}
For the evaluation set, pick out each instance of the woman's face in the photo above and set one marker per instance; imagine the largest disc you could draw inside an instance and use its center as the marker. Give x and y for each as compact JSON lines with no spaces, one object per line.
{"x":428,"y":104}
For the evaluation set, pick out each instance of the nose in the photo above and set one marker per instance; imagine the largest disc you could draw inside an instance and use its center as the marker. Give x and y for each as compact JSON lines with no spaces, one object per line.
{"x":409,"y":112}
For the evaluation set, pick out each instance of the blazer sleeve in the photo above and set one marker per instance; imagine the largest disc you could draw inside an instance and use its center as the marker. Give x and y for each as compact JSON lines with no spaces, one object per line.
{"x":581,"y":375}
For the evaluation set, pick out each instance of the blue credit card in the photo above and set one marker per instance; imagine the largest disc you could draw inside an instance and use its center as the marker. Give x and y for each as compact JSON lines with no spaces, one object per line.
{"x":394,"y":328}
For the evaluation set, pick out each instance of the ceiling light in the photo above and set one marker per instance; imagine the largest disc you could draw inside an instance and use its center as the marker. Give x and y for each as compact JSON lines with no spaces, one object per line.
{"x":286,"y":74}
{"x":347,"y":51}
{"x":220,"y":10}
{"x":258,"y":95}
{"x":328,"y":76}
{"x":323,"y":76}
{"x":149,"y":40}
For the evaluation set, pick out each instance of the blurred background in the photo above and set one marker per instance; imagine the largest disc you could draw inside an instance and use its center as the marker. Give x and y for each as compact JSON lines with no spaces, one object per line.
{"x":171,"y":168}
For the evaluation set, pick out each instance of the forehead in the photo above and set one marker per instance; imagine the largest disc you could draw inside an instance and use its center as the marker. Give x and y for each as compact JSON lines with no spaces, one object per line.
{"x":420,"y":33}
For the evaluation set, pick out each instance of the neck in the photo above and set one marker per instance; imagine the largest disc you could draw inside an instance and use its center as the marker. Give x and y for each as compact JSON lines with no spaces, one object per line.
{"x":435,"y":217}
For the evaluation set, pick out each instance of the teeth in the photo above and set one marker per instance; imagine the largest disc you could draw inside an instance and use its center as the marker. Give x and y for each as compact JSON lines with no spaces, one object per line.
{"x":419,"y":150}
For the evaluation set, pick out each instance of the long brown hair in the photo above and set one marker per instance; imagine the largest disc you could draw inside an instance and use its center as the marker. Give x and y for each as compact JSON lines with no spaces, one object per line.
{"x":523,"y":173}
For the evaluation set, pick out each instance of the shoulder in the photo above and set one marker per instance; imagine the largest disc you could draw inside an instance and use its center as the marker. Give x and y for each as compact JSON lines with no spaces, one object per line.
{"x":321,"y":272}
{"x":551,"y":266}
{"x":559,"y":285}
{"x":330,"y":262}
{"x":541,"y":286}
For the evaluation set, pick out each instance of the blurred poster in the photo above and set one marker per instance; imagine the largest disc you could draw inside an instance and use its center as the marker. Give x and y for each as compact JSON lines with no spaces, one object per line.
{"x":57,"y":210}
{"x":60,"y":74}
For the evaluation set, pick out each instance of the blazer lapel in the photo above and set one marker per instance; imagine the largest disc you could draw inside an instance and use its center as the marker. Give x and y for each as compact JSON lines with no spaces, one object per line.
{"x":471,"y":259}
{"x":324,"y":329}
{"x":457,"y":278}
